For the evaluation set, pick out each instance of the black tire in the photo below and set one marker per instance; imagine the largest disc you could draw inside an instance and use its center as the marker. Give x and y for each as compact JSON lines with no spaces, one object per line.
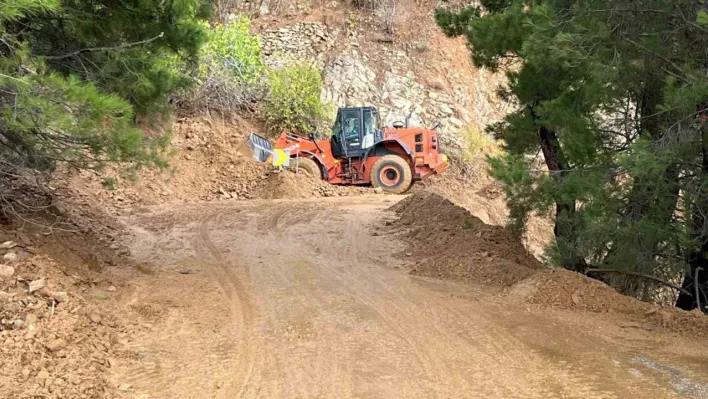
{"x":392,"y":174}
{"x":307,"y":165}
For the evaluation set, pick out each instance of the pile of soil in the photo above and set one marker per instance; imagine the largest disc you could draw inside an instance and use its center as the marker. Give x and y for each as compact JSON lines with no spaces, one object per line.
{"x":58,"y":334}
{"x":53,"y":341}
{"x":286,"y":184}
{"x":207,"y":164}
{"x":69,"y":228}
{"x":568,"y":290}
{"x":447,"y":241}
{"x":564,"y":289}
{"x":484,"y":198}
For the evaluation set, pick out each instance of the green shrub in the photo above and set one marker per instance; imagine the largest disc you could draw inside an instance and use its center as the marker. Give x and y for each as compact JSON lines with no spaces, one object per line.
{"x":231,"y":72}
{"x":294,"y":102}
{"x":232,"y":48}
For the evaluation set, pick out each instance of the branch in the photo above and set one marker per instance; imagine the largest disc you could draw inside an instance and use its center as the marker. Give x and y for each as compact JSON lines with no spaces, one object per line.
{"x":661,"y":57}
{"x":646,"y":276}
{"x":695,"y":283}
{"x":98,"y":49}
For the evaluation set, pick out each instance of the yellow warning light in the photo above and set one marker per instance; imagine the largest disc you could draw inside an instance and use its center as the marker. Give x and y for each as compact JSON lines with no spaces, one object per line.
{"x":419,"y":160}
{"x":279,"y":157}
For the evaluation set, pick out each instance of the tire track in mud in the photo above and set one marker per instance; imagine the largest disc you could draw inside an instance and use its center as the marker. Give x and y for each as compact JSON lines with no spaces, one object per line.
{"x":493,"y":343}
{"x":400,"y":315}
{"x":367,"y":331}
{"x":242,"y":311}
{"x":170,"y":360}
{"x":330,"y":366}
{"x":422,"y":358}
{"x":327,"y":272}
{"x":281,"y":215}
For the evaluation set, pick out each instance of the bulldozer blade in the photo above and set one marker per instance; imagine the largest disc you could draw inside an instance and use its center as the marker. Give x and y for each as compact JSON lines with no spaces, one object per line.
{"x":256,"y":147}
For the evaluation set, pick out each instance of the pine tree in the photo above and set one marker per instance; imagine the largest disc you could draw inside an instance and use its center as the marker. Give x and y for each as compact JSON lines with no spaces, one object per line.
{"x":75,"y":74}
{"x":608,"y":95}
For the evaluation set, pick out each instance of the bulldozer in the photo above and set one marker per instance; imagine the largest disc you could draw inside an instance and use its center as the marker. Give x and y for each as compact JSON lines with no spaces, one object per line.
{"x":359,"y":152}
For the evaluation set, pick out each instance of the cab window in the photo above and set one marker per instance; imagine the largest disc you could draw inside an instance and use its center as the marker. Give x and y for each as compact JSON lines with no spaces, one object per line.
{"x":351,"y":128}
{"x":337,"y":125}
{"x":369,"y":123}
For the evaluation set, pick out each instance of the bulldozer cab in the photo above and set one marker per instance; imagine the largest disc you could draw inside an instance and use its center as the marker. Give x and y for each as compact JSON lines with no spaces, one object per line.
{"x":355,"y":131}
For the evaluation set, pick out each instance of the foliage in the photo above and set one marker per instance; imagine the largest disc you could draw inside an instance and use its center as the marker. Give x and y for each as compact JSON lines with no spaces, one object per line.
{"x":294,"y":103}
{"x":477,"y":143}
{"x":231,"y":47}
{"x":75,"y":76}
{"x":231,"y":71}
{"x":608,"y":94}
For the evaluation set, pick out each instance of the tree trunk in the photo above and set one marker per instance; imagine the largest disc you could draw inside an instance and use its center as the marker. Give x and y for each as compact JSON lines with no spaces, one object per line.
{"x":564,"y":228}
{"x":652,"y":198}
{"x":695,"y":260}
{"x":698,"y":259}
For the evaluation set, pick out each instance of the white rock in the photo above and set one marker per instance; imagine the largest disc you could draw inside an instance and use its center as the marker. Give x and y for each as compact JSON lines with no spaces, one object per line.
{"x":37,"y":285}
{"x":8,"y":245}
{"x":264,"y":9}
{"x":445,"y":109}
{"x":456,"y":122}
{"x":6,"y":271}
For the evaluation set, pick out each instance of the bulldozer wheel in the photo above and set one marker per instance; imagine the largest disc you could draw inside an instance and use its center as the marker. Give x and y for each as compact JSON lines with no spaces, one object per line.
{"x":308,"y":165}
{"x":392,"y":174}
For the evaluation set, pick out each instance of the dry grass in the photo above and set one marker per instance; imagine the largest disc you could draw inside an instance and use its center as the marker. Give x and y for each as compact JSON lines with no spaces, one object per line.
{"x":478,"y":143}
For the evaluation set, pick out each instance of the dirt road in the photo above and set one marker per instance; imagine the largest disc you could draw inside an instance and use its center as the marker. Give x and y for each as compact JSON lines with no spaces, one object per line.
{"x":305,"y":299}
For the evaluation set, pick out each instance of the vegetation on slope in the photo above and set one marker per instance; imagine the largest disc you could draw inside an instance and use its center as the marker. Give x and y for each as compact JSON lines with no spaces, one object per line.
{"x":613,"y":98}
{"x":77,"y":76}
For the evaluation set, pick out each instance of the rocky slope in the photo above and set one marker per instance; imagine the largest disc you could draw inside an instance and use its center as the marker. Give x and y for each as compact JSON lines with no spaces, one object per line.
{"x":393,"y":58}
{"x":369,"y":54}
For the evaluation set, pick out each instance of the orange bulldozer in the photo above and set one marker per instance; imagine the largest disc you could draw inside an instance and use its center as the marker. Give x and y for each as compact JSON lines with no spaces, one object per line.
{"x":359,"y":152}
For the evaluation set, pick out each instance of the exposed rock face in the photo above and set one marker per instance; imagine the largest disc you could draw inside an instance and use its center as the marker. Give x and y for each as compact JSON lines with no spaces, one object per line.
{"x":357,"y":74}
{"x":350,"y":81}
{"x":304,"y":41}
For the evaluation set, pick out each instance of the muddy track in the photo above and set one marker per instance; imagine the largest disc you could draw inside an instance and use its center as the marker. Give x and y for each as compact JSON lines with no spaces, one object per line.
{"x":231,"y":280}
{"x":298,"y":299}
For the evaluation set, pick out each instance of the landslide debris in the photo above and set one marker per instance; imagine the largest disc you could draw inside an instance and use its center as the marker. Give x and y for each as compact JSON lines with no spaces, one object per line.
{"x":59,"y":333}
{"x":446,"y":241}
{"x":54,"y":343}
{"x":286,"y":184}
{"x":206,"y":165}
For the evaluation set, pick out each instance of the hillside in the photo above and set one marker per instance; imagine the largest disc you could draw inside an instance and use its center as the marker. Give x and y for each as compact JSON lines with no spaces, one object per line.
{"x":220,"y":278}
{"x":389,"y":54}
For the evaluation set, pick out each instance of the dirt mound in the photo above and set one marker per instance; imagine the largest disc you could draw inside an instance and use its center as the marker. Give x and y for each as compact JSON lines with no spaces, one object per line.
{"x":484,"y":198}
{"x":54,"y":343}
{"x":58,"y":332}
{"x":286,"y":184}
{"x":50,"y":221}
{"x":569,"y":290}
{"x":206,"y":165}
{"x":447,"y":241}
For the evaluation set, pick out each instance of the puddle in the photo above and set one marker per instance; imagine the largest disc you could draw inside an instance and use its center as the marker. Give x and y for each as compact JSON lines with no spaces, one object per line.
{"x":679,"y":382}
